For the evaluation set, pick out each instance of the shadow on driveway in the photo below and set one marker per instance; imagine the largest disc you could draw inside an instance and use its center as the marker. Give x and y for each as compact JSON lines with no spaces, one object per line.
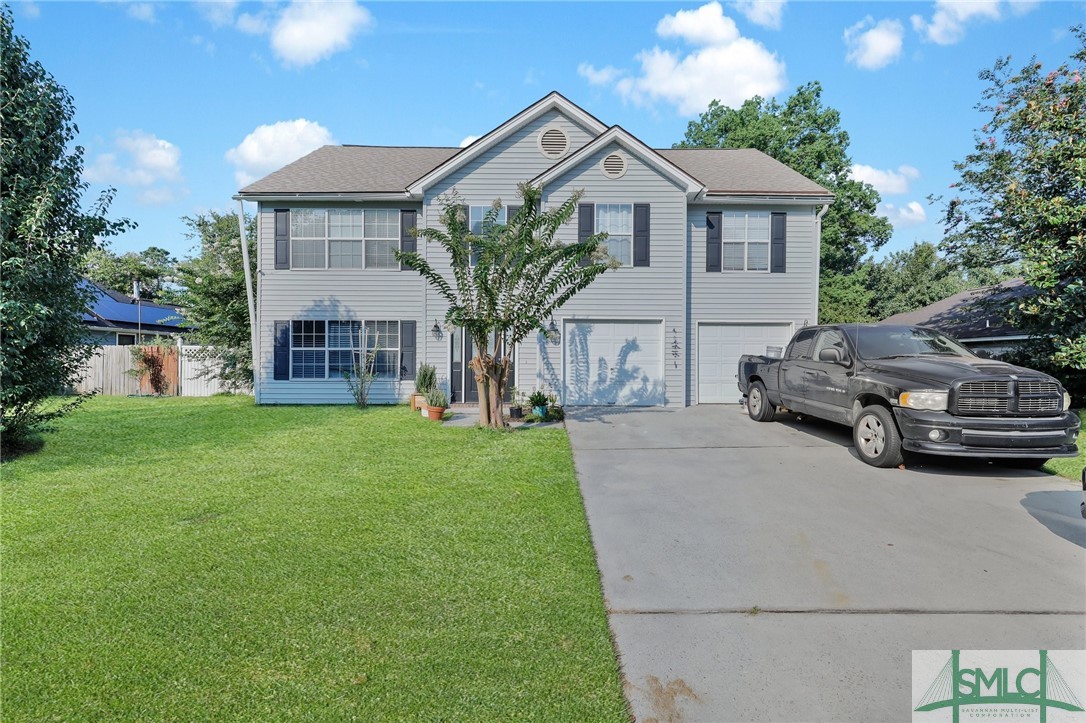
{"x":1059,"y":511}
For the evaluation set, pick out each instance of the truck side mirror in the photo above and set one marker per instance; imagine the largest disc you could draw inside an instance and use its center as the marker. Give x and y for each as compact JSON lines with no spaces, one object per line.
{"x":830,"y":354}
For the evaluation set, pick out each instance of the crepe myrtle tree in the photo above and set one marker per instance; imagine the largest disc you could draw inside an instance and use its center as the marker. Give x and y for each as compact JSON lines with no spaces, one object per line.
{"x":506,"y":280}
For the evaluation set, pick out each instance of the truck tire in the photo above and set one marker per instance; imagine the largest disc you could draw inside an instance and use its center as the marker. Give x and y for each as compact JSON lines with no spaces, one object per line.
{"x":876,"y":437}
{"x":759,"y":407}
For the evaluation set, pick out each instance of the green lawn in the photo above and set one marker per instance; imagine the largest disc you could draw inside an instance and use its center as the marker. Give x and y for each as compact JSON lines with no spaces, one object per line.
{"x":189,"y":559}
{"x":1071,"y":467}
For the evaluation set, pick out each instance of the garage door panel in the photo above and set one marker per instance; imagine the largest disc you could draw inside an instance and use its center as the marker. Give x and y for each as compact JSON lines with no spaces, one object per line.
{"x":719,"y":349}
{"x":613,"y":363}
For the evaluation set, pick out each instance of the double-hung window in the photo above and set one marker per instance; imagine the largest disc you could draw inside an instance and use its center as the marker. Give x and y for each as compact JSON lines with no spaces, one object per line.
{"x":746,"y":241}
{"x":616,"y":220}
{"x":476,"y":218}
{"x":329,"y":349}
{"x":344,"y":238}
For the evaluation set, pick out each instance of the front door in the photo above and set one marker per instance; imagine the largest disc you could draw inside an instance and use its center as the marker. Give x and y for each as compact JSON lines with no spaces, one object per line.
{"x":464,"y":386}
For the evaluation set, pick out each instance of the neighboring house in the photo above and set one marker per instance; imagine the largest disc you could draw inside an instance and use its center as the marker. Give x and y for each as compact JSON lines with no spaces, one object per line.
{"x":719,"y":252}
{"x":114,"y":318}
{"x":971,"y":317}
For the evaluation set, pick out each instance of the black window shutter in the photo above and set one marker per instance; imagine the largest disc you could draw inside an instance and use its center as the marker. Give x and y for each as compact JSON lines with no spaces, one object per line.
{"x":282,"y":239}
{"x":282,"y":350}
{"x":777,"y":242}
{"x":586,"y":226}
{"x":407,"y":349}
{"x":713,"y":221}
{"x":408,"y":242}
{"x":641,"y":234}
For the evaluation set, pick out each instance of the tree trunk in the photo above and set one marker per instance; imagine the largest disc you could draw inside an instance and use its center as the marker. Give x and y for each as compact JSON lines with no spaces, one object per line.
{"x":478,"y":367}
{"x":491,"y":376}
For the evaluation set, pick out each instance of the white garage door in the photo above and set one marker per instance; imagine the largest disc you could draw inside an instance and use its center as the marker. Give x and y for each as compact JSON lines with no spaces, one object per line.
{"x":614,"y":362}
{"x":719,"y":349}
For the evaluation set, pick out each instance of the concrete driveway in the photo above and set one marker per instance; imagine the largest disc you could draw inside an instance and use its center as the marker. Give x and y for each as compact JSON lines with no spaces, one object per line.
{"x":762,"y":572}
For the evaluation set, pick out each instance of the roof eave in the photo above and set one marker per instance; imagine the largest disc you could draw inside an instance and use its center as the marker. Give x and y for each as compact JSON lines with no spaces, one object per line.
{"x":761,"y":197}
{"x":326,"y":196}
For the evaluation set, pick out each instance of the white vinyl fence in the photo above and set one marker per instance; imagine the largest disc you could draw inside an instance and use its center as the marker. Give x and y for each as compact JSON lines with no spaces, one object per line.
{"x":108,"y":373}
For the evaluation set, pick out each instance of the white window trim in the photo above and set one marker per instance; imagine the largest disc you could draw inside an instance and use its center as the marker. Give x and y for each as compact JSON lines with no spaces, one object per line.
{"x":596,"y":226}
{"x":328,"y":376}
{"x":328,"y":239}
{"x":746,"y":244}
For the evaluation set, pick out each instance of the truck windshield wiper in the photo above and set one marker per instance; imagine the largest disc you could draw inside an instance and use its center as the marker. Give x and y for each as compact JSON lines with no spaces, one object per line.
{"x":895,"y":356}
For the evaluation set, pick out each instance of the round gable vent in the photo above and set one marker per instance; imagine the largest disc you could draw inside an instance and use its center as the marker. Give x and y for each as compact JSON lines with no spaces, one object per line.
{"x":553,"y":142}
{"x":614,"y":165}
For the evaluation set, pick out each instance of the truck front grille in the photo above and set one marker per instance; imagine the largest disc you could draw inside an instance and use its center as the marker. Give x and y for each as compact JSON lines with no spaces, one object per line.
{"x":1005,"y":397}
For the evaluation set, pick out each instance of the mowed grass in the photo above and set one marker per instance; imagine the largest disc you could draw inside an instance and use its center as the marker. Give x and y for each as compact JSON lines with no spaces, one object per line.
{"x":194,"y":559}
{"x":1071,"y":467}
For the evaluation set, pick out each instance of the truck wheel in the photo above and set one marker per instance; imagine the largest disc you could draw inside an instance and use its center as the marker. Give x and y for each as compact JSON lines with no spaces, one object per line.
{"x":876,"y":437}
{"x":759,"y":407}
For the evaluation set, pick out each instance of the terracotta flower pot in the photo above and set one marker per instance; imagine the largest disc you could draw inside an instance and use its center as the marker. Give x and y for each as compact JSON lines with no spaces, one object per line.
{"x":435,"y":413}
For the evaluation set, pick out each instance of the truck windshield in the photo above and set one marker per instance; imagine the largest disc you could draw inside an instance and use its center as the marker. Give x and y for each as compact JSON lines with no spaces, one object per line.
{"x":887,"y":342}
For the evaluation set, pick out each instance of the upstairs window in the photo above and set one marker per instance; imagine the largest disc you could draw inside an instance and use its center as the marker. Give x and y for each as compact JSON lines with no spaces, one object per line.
{"x":746,"y":241}
{"x":476,"y":217}
{"x":616,"y":220}
{"x":344,"y":238}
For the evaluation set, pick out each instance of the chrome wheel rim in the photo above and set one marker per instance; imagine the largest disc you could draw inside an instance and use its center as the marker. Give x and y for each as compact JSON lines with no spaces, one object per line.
{"x":755,"y":402}
{"x":871,"y":436}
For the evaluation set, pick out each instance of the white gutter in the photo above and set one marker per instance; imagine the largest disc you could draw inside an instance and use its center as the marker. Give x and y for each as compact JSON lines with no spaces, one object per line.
{"x":249,"y":300}
{"x":397,"y":196}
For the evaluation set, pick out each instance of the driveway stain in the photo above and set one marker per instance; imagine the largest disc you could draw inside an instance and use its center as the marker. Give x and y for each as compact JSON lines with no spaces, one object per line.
{"x":663,"y":698}
{"x":822,"y":569}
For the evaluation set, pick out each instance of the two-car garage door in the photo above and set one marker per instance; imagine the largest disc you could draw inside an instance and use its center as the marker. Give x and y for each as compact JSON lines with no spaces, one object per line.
{"x":719,"y":349}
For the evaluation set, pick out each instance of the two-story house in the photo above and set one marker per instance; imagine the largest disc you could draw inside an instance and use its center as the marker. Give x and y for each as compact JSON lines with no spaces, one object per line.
{"x":719,"y":254}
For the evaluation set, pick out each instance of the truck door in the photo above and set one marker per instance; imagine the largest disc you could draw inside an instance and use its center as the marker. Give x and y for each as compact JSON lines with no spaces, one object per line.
{"x":792,"y":378}
{"x":828,"y":389}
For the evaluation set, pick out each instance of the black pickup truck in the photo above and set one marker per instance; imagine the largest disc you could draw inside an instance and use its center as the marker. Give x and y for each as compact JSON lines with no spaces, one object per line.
{"x":912,"y":388}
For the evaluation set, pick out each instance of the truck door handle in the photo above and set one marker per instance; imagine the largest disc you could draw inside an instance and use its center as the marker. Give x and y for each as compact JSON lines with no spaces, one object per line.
{"x":809,"y":373}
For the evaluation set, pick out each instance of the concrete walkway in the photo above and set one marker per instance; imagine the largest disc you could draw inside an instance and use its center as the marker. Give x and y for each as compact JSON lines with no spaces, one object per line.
{"x":762,"y":572}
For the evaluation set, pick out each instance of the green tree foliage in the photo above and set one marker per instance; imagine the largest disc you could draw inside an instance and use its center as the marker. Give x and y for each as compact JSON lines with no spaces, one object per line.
{"x":1022,"y":198}
{"x":521,"y":275}
{"x":152,"y":268}
{"x":844,"y":298}
{"x":807,"y":136}
{"x":909,"y":279}
{"x":211,"y":293}
{"x":46,"y":234}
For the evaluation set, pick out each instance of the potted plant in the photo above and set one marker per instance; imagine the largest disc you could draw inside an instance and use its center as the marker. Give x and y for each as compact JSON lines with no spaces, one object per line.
{"x":515,"y":410}
{"x":538,"y":401}
{"x":436,"y":403}
{"x":425,"y":380}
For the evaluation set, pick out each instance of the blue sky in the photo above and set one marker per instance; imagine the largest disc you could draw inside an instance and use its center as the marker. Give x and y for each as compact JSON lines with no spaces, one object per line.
{"x":177,"y":103}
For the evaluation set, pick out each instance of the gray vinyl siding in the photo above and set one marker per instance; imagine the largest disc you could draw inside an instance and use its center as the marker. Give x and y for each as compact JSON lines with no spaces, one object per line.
{"x":289,"y":294}
{"x":748,"y":296}
{"x":655,"y":292}
{"x":494,"y":174}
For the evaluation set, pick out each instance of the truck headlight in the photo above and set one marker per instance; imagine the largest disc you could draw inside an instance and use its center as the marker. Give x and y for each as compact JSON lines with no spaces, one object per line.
{"x":930,"y":400}
{"x":1066,"y":401}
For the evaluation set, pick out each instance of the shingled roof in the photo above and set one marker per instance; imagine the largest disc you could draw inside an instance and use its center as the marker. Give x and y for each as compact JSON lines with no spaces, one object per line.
{"x":969,"y":314}
{"x":390,"y":169}
{"x":353,"y":169}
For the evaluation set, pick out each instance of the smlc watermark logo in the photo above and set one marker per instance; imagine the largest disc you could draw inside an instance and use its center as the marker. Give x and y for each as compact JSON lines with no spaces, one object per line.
{"x":978,"y":685}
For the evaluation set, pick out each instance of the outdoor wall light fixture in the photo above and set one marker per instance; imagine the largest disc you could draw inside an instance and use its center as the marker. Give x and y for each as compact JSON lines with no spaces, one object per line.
{"x":436,"y":330}
{"x":552,"y":332}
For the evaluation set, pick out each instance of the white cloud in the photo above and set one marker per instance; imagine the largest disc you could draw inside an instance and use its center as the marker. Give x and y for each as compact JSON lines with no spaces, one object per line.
{"x":766,"y":13}
{"x":886,"y":182}
{"x":725,"y":66}
{"x":468,"y":140}
{"x":598,"y":76}
{"x":219,"y":13}
{"x":253,"y":23}
{"x":141,"y":11}
{"x":307,"y":32}
{"x":947,"y":24}
{"x":911,"y":214}
{"x":270,"y":147}
{"x":142,"y":160}
{"x":29,"y":9}
{"x":874,"y":45}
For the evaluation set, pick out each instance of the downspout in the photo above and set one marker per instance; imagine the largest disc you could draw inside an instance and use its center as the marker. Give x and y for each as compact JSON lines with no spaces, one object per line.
{"x":818,"y":266}
{"x":249,"y":299}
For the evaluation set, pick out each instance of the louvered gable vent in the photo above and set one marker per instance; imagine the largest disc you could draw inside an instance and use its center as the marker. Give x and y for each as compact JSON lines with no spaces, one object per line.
{"x":553,"y":143}
{"x":614,"y":165}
